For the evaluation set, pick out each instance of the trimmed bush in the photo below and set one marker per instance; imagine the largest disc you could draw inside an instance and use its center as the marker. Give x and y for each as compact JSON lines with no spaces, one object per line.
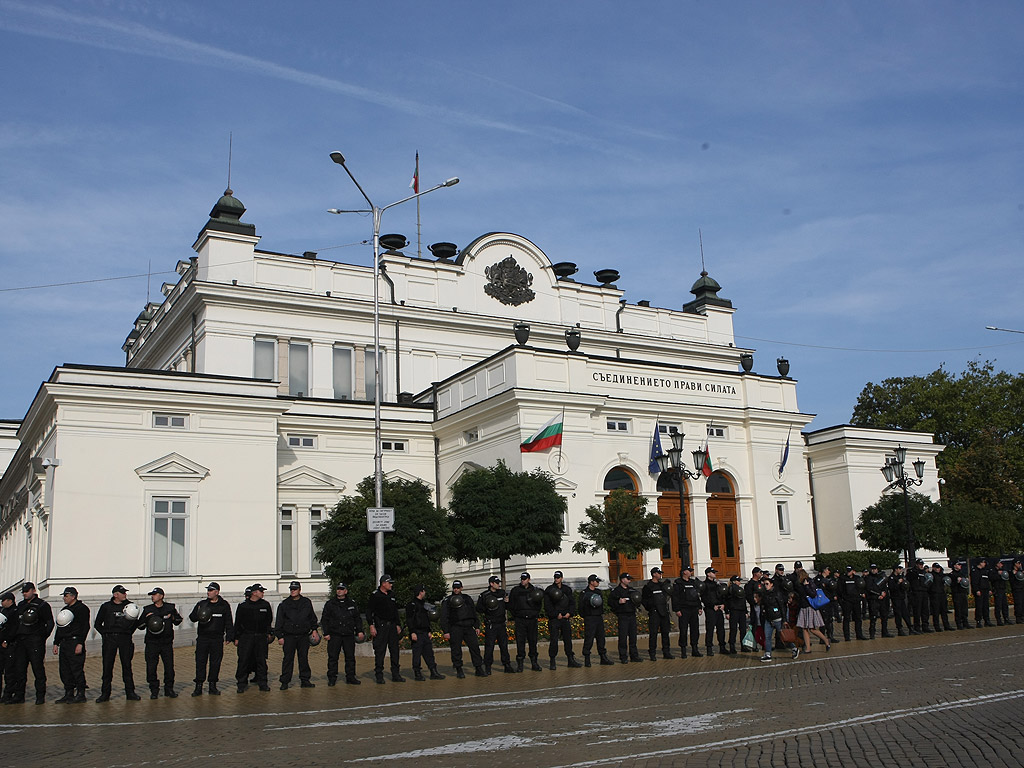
{"x":859,"y":559}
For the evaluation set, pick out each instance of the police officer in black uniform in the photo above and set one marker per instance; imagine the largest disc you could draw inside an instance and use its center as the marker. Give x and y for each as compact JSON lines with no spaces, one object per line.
{"x":961,"y":589}
{"x":826,"y":582}
{"x":342,"y":626}
{"x":385,"y":629}
{"x":525,"y":608}
{"x":736,"y":605}
{"x":254,"y":621}
{"x":851,"y":592}
{"x":939,"y":603}
{"x":459,"y":625}
{"x":559,"y":607}
{"x":999,"y":579}
{"x":591,"y":608}
{"x":712,"y":595}
{"x":981,"y":586}
{"x":493,"y":604}
{"x":214,"y":627}
{"x":784,"y":585}
{"x":1017,"y":587}
{"x":876,"y":586}
{"x":8,"y":624}
{"x":159,"y":621}
{"x":69,"y":645}
{"x":656,"y":594}
{"x":899,"y":596}
{"x":35,"y":623}
{"x":624,"y":607}
{"x":296,"y":623}
{"x":417,"y":620}
{"x":920,"y":595}
{"x":751,"y":588}
{"x":687,"y":606}
{"x":116,"y":628}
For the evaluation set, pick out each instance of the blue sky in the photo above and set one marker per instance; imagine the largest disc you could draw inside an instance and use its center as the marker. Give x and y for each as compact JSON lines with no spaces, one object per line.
{"x":855,"y":168}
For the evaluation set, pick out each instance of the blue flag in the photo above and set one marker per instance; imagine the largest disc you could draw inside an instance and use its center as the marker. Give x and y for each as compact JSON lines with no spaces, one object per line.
{"x":656,"y":451}
{"x":785,"y":454}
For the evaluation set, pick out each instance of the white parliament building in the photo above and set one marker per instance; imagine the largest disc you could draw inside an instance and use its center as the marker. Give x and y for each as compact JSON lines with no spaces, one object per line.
{"x":244,"y":411}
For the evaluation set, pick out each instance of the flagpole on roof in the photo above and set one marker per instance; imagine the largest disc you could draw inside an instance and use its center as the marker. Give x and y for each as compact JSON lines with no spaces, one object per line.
{"x":419,"y":232}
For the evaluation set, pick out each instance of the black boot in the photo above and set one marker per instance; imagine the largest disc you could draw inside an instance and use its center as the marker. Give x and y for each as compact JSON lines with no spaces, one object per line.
{"x":722,"y":650}
{"x":709,"y":650}
{"x":396,"y":676}
{"x":480,"y":671}
{"x":459,"y":673}
{"x":519,"y":665}
{"x":510,"y":670}
{"x":695,"y":653}
{"x":434,"y":674}
{"x":199,"y":690}
{"x":169,"y":692}
{"x":534,"y":665}
{"x":682,"y":652}
{"x":80,"y":697}
{"x":586,"y":660}
{"x":378,"y":678}
{"x":67,"y":698}
{"x":154,"y":693}
{"x":653,"y":655}
{"x":417,"y":675}
{"x":552,"y":664}
{"x":605,"y":661}
{"x":573,"y":663}
{"x":666,"y":654}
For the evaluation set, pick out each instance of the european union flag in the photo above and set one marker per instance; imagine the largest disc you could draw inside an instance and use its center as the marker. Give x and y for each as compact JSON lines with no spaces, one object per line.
{"x":656,"y":451}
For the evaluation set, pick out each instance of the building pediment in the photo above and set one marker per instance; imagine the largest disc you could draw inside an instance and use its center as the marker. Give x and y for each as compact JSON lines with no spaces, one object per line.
{"x":782,"y":490}
{"x":308,"y":479}
{"x":401,"y":474}
{"x":173,"y":466}
{"x":464,"y":468}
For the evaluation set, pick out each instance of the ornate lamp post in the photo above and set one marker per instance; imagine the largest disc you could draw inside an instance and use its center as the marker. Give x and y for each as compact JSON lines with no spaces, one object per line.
{"x":378,"y":470}
{"x":897,"y":478}
{"x":673,"y":462}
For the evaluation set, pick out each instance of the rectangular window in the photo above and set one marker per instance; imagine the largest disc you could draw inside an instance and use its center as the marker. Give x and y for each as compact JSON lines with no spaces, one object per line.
{"x":170,"y":420}
{"x":393,"y":445}
{"x":730,"y":543}
{"x":302,"y":441}
{"x":316,"y":568}
{"x":263,"y":365}
{"x":782,"y":508}
{"x":342,"y":373}
{"x":716,"y":431}
{"x":666,"y":542}
{"x":713,"y":540}
{"x":471,"y":436}
{"x":618,"y":426}
{"x":298,"y":370}
{"x":287,"y":541}
{"x":668,"y":429}
{"x":169,"y":519}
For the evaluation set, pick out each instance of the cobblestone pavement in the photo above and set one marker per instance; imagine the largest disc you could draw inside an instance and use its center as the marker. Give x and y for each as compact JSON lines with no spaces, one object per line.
{"x":939,"y":700}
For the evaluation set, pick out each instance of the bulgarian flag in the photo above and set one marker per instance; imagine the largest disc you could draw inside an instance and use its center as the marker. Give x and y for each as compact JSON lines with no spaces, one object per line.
{"x":546,"y":437}
{"x":707,"y":469}
{"x":414,"y":185}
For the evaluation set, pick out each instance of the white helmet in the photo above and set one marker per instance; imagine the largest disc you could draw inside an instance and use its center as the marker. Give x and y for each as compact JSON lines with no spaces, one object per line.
{"x":64,"y":617}
{"x":132,"y":611}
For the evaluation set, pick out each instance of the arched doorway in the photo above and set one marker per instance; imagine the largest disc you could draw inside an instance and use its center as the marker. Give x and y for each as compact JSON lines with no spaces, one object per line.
{"x":620,"y":477}
{"x":723,"y":531}
{"x":676,"y":531}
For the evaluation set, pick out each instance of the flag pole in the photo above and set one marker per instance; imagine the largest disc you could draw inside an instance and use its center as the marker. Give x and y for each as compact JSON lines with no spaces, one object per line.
{"x":559,"y":462}
{"x":419,"y":233}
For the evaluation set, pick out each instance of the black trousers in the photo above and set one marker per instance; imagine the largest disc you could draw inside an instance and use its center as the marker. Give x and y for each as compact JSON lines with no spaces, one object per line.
{"x":526,"y":633}
{"x":115,"y":646}
{"x":737,"y":623}
{"x":6,"y":671}
{"x":386,"y":642}
{"x":981,"y":608}
{"x":960,"y":614}
{"x":939,"y":611}
{"x":156,"y":652}
{"x":830,"y":615}
{"x":295,"y":645}
{"x":423,"y":650}
{"x":878,"y":610}
{"x":851,"y":612}
{"x":689,"y":622}
{"x":659,"y":626}
{"x":627,"y":636}
{"x":901,"y":613}
{"x":560,"y":629}
{"x":714,"y":623}
{"x":335,"y":645}
{"x":71,"y":666}
{"x":1018,"y":605}
{"x":252,"y":657}
{"x":496,"y":633}
{"x":593,"y":630}
{"x":467,"y":635}
{"x":209,"y":651}
{"x":29,"y":650}
{"x":1002,"y":607}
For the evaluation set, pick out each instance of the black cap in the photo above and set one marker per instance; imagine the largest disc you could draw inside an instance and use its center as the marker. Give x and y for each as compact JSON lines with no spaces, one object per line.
{"x":294,"y":585}
{"x":455,"y":585}
{"x":119,"y":588}
{"x":874,"y":565}
{"x":708,"y":570}
{"x":919,"y":561}
{"x":849,"y":567}
{"x":419,"y":588}
{"x":897,"y":565}
{"x":27,"y":586}
{"x":734,"y":578}
{"x":558,"y":575}
{"x":594,"y":577}
{"x":70,"y":591}
{"x":755,"y":569}
{"x":7,"y":596}
{"x":341,"y":585}
{"x":798,"y":564}
{"x":780,"y":566}
{"x":524,"y":576}
{"x":687,"y":568}
{"x":257,"y":587}
{"x":156,"y":591}
{"x":385,"y":579}
{"x":625,"y":575}
{"x":494,"y":580}
{"x":248,"y":591}
{"x":213,"y":585}
{"x":936,"y":565}
{"x":655,"y":570}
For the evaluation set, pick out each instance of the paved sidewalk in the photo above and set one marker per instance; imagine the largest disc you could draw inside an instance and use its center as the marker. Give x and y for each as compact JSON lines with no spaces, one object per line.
{"x":945,"y":699}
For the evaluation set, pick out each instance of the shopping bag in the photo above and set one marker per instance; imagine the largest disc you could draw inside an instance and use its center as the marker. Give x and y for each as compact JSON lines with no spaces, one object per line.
{"x":749,"y":643}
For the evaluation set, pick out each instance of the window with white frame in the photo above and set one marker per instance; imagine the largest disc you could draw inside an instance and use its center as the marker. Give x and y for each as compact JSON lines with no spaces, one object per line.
{"x":782,"y":510}
{"x":298,"y":369}
{"x":615,"y":425}
{"x":471,"y":436}
{"x":170,"y":519}
{"x":316,"y":516}
{"x":302,"y":441}
{"x":399,"y":446}
{"x":715,"y":430}
{"x":342,"y":373}
{"x":286,"y":540}
{"x":263,"y":359}
{"x":170,"y":420}
{"x":668,"y":429}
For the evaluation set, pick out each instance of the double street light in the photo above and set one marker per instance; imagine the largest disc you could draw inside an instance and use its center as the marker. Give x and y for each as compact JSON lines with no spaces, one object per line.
{"x":672,"y":462}
{"x":377,"y":211}
{"x":896,"y":476}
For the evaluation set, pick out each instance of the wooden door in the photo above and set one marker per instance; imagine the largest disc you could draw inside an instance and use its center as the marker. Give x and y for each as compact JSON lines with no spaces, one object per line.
{"x":723,"y":530}
{"x":675,"y":539}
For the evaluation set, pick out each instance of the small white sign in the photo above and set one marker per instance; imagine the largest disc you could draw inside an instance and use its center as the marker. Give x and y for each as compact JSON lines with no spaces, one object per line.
{"x":380,"y":519}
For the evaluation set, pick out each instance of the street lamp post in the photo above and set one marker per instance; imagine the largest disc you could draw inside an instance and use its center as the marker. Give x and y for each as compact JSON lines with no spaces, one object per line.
{"x":673,"y":462}
{"x":378,"y":470}
{"x":897,"y":478}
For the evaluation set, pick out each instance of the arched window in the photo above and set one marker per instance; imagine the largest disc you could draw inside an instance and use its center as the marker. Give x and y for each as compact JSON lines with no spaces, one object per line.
{"x":667,"y":482}
{"x":718,"y":483}
{"x":620,"y":477}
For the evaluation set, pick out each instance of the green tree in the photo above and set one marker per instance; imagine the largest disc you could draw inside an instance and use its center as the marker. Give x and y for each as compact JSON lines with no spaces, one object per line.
{"x":500,"y":514}
{"x":974,"y":528}
{"x":883,"y":525}
{"x":413,"y":553}
{"x":622,"y":524}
